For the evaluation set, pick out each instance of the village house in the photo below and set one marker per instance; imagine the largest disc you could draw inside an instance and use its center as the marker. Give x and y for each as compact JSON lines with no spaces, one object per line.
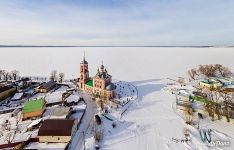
{"x":33,"y":108}
{"x":46,"y":87}
{"x":5,"y":83}
{"x":23,"y":83}
{"x":6,"y":91}
{"x":57,"y":130}
{"x":210,"y":83}
{"x":60,"y":112}
{"x":100,"y":85}
{"x":183,"y":102}
{"x":228,"y":88}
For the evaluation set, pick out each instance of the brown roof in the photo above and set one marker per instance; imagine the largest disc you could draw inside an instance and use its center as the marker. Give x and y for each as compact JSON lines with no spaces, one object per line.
{"x":5,"y":88}
{"x":48,"y":84}
{"x":56,"y":127}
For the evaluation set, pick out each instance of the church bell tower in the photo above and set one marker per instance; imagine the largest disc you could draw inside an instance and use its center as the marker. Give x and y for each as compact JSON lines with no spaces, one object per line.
{"x":84,"y":73}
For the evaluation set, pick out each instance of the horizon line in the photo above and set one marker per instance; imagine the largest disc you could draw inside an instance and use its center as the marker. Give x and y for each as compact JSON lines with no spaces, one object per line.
{"x":203,"y":46}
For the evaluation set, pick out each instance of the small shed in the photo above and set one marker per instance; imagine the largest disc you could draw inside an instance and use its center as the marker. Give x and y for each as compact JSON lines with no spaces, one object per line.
{"x":34,"y":124}
{"x":18,"y":96}
{"x":33,"y":108}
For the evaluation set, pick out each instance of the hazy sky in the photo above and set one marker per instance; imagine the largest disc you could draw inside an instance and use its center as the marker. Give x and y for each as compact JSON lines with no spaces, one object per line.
{"x":117,"y":22}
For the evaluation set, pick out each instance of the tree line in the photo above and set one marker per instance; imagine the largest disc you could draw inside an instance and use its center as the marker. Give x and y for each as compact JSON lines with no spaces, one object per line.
{"x":9,"y":75}
{"x":211,"y":70}
{"x":55,"y":76}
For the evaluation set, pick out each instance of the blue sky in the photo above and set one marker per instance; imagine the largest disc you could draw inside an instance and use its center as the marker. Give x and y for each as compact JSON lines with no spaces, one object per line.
{"x":117,"y":22}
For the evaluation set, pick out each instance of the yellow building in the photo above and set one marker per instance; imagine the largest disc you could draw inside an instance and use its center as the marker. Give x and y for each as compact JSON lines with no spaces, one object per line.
{"x":211,"y":84}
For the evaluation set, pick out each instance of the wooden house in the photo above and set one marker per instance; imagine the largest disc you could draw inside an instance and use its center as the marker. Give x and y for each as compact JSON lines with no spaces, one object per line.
{"x":6,"y":91}
{"x":46,"y":87}
{"x":57,"y":130}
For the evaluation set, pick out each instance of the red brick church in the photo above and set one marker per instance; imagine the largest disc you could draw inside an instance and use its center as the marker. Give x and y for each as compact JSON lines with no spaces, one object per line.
{"x":100,"y":85}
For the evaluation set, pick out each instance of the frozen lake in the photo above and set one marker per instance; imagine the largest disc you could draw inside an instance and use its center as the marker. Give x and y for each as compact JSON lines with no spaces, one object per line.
{"x":124,"y":63}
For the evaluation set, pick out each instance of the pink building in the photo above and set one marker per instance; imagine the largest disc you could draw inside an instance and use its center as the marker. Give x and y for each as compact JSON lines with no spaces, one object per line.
{"x":100,"y":85}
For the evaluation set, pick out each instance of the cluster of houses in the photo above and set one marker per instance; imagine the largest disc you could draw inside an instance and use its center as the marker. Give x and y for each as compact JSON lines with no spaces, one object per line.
{"x":197,"y":99}
{"x":16,"y":90}
{"x":40,"y":114}
{"x":36,"y":121}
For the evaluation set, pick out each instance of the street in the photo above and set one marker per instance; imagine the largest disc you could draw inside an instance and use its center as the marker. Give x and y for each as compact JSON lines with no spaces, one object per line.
{"x":77,"y":142}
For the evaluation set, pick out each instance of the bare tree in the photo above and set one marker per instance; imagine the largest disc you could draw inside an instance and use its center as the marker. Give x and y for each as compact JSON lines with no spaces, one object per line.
{"x":53,"y":75}
{"x":17,"y":129}
{"x":15,"y":73}
{"x":10,"y":76}
{"x":228,"y":98}
{"x":193,"y":73}
{"x":6,"y":76}
{"x":227,"y":72}
{"x":1,"y":74}
{"x":207,"y":70}
{"x":181,"y":81}
{"x":8,"y":137}
{"x":213,"y":105}
{"x":213,"y":70}
{"x":61,"y":77}
{"x":188,"y":113}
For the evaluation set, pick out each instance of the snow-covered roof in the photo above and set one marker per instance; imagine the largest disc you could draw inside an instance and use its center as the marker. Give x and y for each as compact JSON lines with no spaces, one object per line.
{"x":37,"y":145}
{"x":73,"y":98}
{"x":229,"y":86}
{"x":34,"y":122}
{"x":79,"y":107}
{"x":59,"y":112}
{"x":17,"y":96}
{"x":56,"y":96}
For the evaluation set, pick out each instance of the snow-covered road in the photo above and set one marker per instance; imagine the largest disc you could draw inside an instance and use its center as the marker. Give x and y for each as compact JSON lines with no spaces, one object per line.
{"x":78,"y":139}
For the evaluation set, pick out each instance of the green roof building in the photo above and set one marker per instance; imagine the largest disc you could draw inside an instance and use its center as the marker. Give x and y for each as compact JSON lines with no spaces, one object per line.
{"x":33,"y":108}
{"x":89,"y":83}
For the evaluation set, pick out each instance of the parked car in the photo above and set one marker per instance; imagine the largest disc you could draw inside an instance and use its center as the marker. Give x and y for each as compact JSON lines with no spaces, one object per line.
{"x":98,"y":119}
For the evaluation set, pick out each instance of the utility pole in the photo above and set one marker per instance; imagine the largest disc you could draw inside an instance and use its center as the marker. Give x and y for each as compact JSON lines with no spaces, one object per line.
{"x":84,"y":138}
{"x":198,"y":122}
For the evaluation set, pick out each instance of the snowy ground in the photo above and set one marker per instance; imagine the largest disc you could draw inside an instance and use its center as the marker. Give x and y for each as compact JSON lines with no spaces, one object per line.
{"x":55,"y":96}
{"x":37,"y":145}
{"x":20,"y":135}
{"x":126,"y":92}
{"x":151,"y":122}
